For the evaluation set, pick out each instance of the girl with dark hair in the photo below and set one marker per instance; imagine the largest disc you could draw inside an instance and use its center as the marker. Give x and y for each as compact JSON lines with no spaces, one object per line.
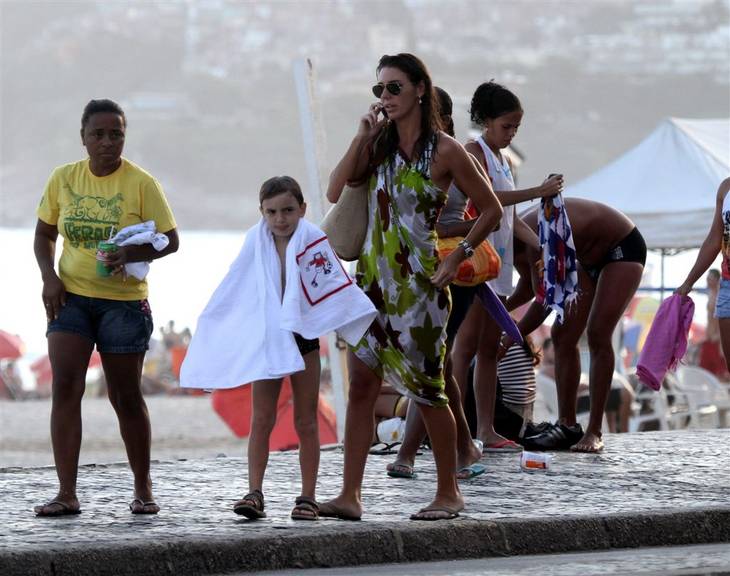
{"x":409,"y":164}
{"x":85,"y":202}
{"x":499,"y":112}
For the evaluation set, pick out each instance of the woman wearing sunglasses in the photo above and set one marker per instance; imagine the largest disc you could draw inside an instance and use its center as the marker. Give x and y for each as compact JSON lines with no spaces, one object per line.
{"x":409,"y":164}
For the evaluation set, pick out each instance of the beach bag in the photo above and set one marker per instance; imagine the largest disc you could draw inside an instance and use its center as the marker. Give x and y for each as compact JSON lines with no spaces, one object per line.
{"x":483,"y":266}
{"x":346,"y":223}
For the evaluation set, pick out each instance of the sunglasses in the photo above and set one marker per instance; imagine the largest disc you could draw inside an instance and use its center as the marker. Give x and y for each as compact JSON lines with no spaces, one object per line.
{"x":393,"y":87}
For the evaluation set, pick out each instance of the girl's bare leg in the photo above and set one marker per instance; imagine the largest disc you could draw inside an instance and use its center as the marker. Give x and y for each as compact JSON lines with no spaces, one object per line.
{"x":305,"y":387}
{"x":265,"y":397}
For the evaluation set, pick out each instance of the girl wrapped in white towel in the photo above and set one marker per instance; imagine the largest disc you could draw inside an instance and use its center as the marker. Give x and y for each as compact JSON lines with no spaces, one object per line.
{"x":285,"y":289}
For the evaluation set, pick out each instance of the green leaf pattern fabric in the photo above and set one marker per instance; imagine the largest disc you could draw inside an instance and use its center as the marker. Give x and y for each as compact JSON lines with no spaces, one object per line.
{"x":406,"y":343}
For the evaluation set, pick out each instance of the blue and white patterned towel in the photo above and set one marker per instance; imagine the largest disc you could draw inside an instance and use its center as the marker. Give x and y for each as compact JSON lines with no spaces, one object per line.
{"x":559,"y":270}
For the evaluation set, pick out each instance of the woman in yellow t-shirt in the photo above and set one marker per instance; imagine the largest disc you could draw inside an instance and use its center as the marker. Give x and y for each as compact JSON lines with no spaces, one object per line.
{"x":85,"y":202}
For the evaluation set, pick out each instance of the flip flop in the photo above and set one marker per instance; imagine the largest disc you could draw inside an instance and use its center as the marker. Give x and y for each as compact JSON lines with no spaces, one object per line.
{"x":400,"y":471}
{"x":503,"y":446}
{"x":142,"y":509}
{"x":442,"y":513}
{"x":471,"y":471}
{"x":383,"y":448}
{"x":328,"y":510}
{"x":479,"y":444}
{"x":65,"y":509}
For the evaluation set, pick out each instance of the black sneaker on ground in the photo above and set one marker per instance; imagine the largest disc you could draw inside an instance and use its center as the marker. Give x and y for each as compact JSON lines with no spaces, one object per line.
{"x":557,"y":437}
{"x":532,"y":429}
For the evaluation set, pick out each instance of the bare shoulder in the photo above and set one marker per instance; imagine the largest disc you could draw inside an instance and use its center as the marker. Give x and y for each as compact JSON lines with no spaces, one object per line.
{"x":473,"y":148}
{"x":448,"y":146}
{"x":723,"y":189}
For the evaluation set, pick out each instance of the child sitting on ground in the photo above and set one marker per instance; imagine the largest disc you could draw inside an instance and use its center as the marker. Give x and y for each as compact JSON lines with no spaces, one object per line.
{"x":285,"y":289}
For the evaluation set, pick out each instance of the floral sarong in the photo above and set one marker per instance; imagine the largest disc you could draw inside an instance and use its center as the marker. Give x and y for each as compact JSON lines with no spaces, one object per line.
{"x":406,"y":342}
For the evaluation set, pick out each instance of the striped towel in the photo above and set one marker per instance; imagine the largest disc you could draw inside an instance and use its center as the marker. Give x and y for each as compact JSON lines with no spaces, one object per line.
{"x":559,"y":270}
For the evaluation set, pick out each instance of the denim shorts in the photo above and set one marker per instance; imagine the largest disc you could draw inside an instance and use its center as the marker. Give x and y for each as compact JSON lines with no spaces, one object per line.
{"x":722,"y":307}
{"x":115,"y":326}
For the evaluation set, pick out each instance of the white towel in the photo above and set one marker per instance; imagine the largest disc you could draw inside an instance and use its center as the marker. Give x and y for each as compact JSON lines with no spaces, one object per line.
{"x":246,"y":331}
{"x":138,"y":234}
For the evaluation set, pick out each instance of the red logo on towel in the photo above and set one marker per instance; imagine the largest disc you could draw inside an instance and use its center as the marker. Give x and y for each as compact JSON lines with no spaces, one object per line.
{"x":321,"y":272}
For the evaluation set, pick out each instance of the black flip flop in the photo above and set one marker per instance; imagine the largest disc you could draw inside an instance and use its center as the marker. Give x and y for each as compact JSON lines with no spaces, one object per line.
{"x":65,"y":510}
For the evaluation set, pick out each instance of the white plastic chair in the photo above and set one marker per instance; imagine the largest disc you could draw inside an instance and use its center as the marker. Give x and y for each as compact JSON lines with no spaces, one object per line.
{"x":713,"y":392}
{"x":668,"y":407}
{"x":703,"y":412}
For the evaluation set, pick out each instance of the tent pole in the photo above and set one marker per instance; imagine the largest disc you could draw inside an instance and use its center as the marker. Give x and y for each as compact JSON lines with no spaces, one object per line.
{"x":661,"y":294}
{"x":314,"y":153}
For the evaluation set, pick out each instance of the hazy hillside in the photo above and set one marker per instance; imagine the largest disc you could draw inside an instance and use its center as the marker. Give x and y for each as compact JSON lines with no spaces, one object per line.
{"x":211,"y":103}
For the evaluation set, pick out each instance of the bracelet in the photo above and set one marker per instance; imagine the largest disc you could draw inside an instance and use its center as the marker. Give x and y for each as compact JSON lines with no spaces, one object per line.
{"x":501,"y":341}
{"x":467,"y":247}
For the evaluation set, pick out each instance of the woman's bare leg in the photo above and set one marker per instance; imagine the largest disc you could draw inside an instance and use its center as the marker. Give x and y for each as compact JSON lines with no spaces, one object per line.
{"x":69,"y":355}
{"x":567,"y":354}
{"x":725,"y":339}
{"x":123,"y":374}
{"x":466,"y":451}
{"x":617,"y":284}
{"x":441,"y":429}
{"x":485,"y":378}
{"x":465,"y":346}
{"x":364,"y":388}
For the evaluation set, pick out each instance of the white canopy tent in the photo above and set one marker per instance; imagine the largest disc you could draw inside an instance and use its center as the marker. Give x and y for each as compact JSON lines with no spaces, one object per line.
{"x":667,"y":184}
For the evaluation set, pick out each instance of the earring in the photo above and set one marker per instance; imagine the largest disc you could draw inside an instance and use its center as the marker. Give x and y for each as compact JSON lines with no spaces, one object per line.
{"x":420,"y":100}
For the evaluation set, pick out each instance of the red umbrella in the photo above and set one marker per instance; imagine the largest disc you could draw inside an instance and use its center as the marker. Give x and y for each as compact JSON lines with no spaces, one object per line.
{"x":234,"y":407}
{"x":11,"y":346}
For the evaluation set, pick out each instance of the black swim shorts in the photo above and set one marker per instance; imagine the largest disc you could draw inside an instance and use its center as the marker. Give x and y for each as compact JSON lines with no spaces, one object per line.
{"x":631,"y":249}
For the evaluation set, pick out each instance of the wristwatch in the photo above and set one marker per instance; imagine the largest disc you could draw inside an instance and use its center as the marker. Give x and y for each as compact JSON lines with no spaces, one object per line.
{"x":468,"y":248}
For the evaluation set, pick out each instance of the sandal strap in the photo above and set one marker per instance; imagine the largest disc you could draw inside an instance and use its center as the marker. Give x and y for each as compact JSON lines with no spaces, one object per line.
{"x":257,"y":497}
{"x":306,"y":501}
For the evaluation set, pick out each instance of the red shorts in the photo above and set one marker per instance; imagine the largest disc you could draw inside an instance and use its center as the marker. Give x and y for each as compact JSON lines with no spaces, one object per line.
{"x":712,"y":359}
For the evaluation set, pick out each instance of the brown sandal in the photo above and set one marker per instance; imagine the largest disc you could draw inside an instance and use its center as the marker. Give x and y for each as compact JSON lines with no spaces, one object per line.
{"x":251,"y":505}
{"x":305,"y":509}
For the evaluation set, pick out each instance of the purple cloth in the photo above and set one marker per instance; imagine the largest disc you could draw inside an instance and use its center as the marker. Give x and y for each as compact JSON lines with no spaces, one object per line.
{"x":666,"y":342}
{"x":496,"y":310}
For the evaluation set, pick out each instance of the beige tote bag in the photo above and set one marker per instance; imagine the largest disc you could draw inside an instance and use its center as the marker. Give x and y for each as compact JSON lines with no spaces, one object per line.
{"x":346,"y":223}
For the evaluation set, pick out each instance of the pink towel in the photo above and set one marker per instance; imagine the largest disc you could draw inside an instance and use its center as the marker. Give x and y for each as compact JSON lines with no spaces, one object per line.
{"x":667,"y":340}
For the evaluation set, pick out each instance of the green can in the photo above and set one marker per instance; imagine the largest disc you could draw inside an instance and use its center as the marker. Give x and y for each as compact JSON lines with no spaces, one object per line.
{"x":103,"y":251}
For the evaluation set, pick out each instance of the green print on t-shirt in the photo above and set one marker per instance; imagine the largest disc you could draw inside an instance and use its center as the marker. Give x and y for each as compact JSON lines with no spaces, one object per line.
{"x":89,"y":219}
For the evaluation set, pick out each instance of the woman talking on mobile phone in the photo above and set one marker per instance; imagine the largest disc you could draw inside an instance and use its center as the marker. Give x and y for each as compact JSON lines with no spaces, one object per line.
{"x":409,"y":164}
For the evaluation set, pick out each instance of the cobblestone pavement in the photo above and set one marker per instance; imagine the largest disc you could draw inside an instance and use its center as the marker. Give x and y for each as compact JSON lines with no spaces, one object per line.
{"x":646,"y":472}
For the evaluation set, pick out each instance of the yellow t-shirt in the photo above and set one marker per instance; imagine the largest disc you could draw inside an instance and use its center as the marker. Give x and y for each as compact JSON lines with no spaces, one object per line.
{"x":85,"y":207}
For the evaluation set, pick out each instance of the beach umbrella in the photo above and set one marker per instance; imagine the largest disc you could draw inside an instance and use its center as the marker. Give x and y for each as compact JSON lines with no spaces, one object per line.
{"x":233,"y":405}
{"x":11,"y":346}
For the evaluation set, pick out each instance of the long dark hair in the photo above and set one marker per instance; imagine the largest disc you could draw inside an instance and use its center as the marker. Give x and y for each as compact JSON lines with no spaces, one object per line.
{"x":446,"y":107}
{"x":386,"y":143}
